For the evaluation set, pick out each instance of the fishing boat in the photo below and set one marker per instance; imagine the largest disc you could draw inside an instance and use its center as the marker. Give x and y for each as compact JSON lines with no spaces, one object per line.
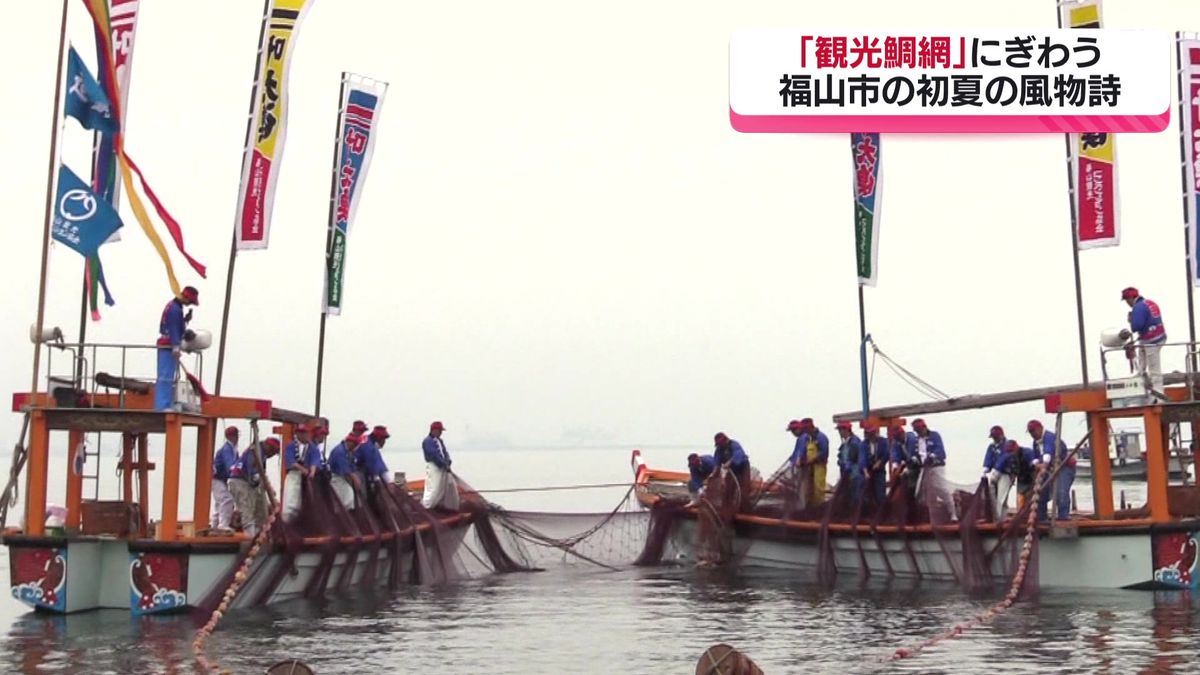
{"x":1151,"y":546}
{"x":106,"y":553}
{"x":1128,"y":461}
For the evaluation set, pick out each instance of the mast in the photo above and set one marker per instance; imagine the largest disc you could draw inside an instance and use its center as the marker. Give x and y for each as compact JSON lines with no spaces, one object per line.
{"x":258,"y":62}
{"x":333,"y":183}
{"x":50,"y":174}
{"x":1189,"y":245}
{"x":1074,"y":234}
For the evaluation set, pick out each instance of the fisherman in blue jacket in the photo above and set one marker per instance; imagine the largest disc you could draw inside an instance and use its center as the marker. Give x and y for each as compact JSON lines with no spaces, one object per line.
{"x":700,"y":467}
{"x":851,"y":459}
{"x":1145,"y":319}
{"x":730,"y":453}
{"x":994,"y":450}
{"x":1051,"y":451}
{"x":301,"y":458}
{"x":1014,"y":466}
{"x":927,"y":459}
{"x":243,"y":485}
{"x":441,"y":490}
{"x":222,"y":500}
{"x":343,"y":476}
{"x":172,"y":332}
{"x":878,"y":452}
{"x":370,"y":459}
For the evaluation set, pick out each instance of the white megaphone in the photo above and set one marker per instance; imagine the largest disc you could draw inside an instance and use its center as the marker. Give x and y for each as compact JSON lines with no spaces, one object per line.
{"x":1114,"y":337}
{"x":48,"y":334}
{"x":201,"y":340}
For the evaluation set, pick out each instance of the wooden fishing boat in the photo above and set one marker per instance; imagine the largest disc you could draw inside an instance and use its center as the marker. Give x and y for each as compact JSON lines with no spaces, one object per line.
{"x":108,"y":554}
{"x":1153,"y":546}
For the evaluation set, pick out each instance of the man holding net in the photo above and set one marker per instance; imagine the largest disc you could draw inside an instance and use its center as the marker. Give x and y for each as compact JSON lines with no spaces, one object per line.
{"x":700,"y":467}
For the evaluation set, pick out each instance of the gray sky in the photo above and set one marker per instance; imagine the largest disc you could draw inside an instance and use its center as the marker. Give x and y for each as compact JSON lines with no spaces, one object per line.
{"x":562,"y":237}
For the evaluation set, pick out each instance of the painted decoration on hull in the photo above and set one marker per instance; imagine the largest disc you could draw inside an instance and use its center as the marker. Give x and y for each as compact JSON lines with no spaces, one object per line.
{"x":39,"y":577}
{"x":1175,"y":559}
{"x":157,"y":582}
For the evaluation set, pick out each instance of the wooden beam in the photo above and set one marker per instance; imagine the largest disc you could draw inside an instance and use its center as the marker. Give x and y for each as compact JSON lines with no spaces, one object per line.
{"x":1102,"y":488}
{"x":170,"y":494}
{"x":205,"y":438}
{"x":35,"y":475}
{"x":976,"y":401}
{"x":74,"y":481}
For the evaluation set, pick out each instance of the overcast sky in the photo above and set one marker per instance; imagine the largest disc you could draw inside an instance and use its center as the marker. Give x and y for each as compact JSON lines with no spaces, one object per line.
{"x":561,"y":238}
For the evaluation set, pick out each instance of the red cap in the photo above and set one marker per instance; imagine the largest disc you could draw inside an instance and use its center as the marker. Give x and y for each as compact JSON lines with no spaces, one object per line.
{"x":919,"y":423}
{"x":321,"y":431}
{"x":360,"y":427}
{"x":896,"y":432}
{"x":720,"y":438}
{"x":380,"y":431}
{"x":272,"y":442}
{"x":1033,"y":424}
{"x":870,"y":425}
{"x":231,"y":431}
{"x":1011,"y":445}
{"x":693,"y":459}
{"x":302,"y":427}
{"x":995,"y":430}
{"x":437,"y":426}
{"x":794,"y":425}
{"x":844,"y":425}
{"x":806,"y":423}
{"x":352,"y":437}
{"x":191,"y":295}
{"x":1130,"y":293}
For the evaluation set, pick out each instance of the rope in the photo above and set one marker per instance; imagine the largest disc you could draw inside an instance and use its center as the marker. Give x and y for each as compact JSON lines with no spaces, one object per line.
{"x":551,"y":488}
{"x":1013,"y":591}
{"x":908,"y":376}
{"x":242,"y":575}
{"x":11,"y":491}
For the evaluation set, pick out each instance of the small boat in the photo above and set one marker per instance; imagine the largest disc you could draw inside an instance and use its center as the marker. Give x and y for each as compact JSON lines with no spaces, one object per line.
{"x":1153,"y":546}
{"x":1135,"y":469}
{"x":107,"y":554}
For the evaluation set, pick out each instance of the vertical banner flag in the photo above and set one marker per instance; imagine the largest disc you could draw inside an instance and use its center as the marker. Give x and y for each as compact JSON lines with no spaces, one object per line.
{"x":123,"y":19}
{"x":362,"y":99}
{"x":1189,"y":129}
{"x":1093,"y":157}
{"x":268,"y":123}
{"x":866,"y":206}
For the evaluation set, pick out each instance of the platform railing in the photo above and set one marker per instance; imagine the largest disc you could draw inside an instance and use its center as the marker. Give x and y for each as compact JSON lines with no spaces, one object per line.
{"x":77,"y":368}
{"x":1136,"y":384}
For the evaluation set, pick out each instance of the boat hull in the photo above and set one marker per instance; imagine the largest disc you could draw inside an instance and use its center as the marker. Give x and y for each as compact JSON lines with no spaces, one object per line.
{"x":74,"y":574}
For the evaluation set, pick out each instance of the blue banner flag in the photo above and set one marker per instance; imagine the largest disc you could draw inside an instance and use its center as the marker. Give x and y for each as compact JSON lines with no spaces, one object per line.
{"x":86,"y":101}
{"x":866,"y":148}
{"x":82,"y":220}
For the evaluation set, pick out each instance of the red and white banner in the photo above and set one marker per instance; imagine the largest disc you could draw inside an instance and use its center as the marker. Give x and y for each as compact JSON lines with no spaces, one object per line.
{"x":1189,"y":128}
{"x":268,"y":123}
{"x":1093,"y":157}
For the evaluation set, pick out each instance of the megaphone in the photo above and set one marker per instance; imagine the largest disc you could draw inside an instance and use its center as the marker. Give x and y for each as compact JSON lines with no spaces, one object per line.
{"x":48,"y":334}
{"x":201,"y":340}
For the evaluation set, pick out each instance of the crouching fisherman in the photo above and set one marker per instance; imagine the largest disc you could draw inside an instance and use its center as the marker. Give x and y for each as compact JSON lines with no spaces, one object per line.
{"x":344,"y":478}
{"x":244,"y":480}
{"x":302,"y":457}
{"x":700,"y":467}
{"x":1014,"y":466}
{"x":441,"y":490}
{"x":223,"y":461}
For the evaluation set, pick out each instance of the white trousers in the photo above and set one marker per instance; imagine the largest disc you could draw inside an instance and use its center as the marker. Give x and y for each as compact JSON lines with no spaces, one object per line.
{"x":1149,"y":363}
{"x":222,"y":505}
{"x":344,"y":491}
{"x":292,"y":485}
{"x":440,"y":488}
{"x":1004,"y":483}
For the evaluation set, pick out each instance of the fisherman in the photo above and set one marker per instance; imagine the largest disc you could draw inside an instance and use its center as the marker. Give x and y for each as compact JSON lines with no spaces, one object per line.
{"x":344,"y":478}
{"x":816,"y":452}
{"x":1014,"y":466}
{"x":441,"y":490}
{"x":878,"y":453}
{"x":172,"y":332}
{"x":370,"y":459}
{"x":898,"y":443}
{"x":1049,"y":450}
{"x":244,"y":479}
{"x":301,"y":459}
{"x":729,"y":453}
{"x":851,"y":459}
{"x":360,"y":428}
{"x":1145,"y":319}
{"x":927,"y":455}
{"x":991,"y":456}
{"x":223,"y":461}
{"x":700,"y":467}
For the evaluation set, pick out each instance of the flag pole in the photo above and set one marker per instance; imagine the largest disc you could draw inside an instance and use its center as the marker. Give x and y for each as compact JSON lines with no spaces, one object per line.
{"x":1074,"y":236}
{"x":333,"y":183}
{"x":1189,"y":246}
{"x":50,"y":173}
{"x":233,"y":244}
{"x":862,"y":352}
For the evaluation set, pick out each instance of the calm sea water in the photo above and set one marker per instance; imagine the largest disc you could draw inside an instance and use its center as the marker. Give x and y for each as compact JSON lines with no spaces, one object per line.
{"x":579,"y":619}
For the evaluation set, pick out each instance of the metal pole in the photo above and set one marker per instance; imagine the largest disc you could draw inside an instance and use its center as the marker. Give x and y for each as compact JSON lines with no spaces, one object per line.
{"x":1075,"y":241}
{"x":333,"y":183}
{"x":51,"y":167}
{"x":862,"y":353}
{"x":83,"y":312}
{"x":1189,"y":246}
{"x":233,"y":246}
